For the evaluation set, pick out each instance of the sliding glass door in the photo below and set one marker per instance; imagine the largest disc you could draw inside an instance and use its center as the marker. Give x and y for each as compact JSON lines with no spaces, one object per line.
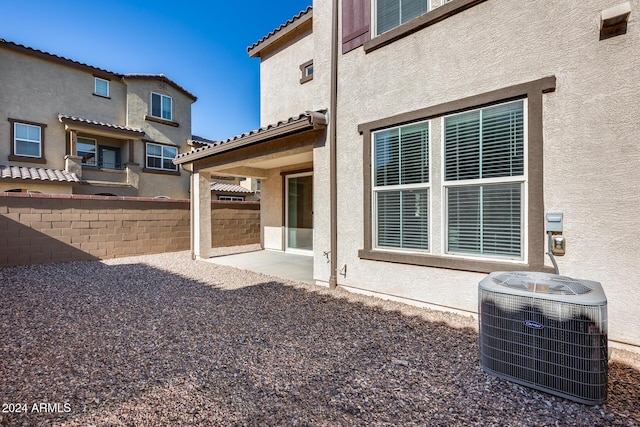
{"x":299,"y":213}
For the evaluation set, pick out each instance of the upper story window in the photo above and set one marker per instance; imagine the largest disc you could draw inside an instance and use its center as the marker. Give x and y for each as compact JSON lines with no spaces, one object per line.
{"x":102,"y":87}
{"x":401,"y":187}
{"x":393,"y":13}
{"x":378,"y":23}
{"x":161,"y":157}
{"x":161,"y":106}
{"x":27,"y":140}
{"x":307,"y":71}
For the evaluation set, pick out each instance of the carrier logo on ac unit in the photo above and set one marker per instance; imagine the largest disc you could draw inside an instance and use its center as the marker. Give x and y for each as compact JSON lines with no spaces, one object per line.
{"x":533,"y":324}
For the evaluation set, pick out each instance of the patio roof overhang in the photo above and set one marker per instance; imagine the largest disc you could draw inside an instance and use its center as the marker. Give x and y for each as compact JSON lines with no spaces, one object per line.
{"x":99,"y":128}
{"x":287,"y":142}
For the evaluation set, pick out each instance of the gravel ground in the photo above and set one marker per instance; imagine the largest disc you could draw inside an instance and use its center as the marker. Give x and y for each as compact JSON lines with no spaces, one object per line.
{"x":161,"y":340}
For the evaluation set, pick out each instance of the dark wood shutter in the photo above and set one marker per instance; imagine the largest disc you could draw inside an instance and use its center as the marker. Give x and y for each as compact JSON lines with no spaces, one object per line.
{"x":356,"y":20}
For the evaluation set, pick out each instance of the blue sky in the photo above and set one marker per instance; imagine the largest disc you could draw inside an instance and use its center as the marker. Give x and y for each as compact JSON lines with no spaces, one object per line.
{"x":199,"y":45}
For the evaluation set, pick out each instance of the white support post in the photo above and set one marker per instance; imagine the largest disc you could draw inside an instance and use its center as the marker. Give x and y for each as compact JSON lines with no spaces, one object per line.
{"x":200,"y":215}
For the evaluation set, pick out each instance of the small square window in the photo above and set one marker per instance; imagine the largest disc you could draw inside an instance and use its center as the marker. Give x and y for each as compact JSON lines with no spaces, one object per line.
{"x":307,"y":71}
{"x":102,"y":87}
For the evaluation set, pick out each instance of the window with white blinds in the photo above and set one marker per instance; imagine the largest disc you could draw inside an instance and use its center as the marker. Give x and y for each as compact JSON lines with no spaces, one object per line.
{"x":401,"y":187}
{"x":392,"y":13}
{"x":484,"y":181}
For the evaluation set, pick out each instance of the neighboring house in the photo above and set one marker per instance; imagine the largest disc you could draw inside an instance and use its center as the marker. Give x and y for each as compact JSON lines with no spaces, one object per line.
{"x":73,"y":128}
{"x":426,"y":148}
{"x":228,"y":190}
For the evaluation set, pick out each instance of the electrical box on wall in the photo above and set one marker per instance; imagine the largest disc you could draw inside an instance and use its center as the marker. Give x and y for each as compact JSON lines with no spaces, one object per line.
{"x":554,"y":222}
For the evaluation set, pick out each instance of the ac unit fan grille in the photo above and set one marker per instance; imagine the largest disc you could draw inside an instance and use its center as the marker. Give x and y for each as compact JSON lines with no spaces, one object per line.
{"x":564,"y":355}
{"x":537,"y":283}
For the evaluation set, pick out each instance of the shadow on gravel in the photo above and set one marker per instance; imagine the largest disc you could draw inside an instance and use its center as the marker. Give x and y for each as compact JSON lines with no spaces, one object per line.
{"x":137,"y":345}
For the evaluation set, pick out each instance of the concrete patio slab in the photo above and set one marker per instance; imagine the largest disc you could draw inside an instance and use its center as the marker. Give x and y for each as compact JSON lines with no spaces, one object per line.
{"x":280,"y":264}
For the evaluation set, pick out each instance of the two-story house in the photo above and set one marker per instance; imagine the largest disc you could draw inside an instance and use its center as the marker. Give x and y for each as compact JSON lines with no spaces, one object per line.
{"x":413,"y":146}
{"x":73,"y":128}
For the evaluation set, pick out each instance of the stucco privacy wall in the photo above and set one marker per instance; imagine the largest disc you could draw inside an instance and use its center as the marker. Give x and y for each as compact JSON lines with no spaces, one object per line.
{"x":590,"y":130}
{"x":38,"y":228}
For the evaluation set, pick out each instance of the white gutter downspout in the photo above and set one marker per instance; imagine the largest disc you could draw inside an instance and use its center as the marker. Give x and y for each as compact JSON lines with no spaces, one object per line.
{"x":333,"y":181}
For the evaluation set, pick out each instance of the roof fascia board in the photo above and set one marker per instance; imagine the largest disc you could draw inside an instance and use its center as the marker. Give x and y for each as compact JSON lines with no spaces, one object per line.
{"x":71,"y":124}
{"x":277,"y":132}
{"x":281,"y":34}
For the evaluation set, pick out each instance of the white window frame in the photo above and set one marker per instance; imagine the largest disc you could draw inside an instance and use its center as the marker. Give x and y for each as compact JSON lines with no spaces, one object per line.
{"x":95,"y":144}
{"x":161,"y":157}
{"x":374,"y":17}
{"x":29,"y":141}
{"x":231,"y":198}
{"x":162,"y":97}
{"x":375,"y":190}
{"x":308,"y":70}
{"x":98,"y":79}
{"x":522,"y":179}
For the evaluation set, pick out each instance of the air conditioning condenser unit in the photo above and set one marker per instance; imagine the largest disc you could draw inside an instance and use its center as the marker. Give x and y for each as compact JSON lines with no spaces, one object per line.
{"x":545,"y":331}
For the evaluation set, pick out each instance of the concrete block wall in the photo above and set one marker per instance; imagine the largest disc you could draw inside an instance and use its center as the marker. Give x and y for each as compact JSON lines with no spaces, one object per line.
{"x":235,"y":223}
{"x":42,"y":228}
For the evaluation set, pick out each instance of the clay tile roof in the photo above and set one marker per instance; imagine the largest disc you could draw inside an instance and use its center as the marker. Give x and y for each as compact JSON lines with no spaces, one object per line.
{"x":229,"y":188}
{"x":309,"y":120}
{"x":89,"y":68}
{"x":60,"y":59}
{"x":64,"y":118}
{"x":38,"y":174}
{"x":164,"y":79}
{"x":307,"y":12}
{"x":198,"y":141}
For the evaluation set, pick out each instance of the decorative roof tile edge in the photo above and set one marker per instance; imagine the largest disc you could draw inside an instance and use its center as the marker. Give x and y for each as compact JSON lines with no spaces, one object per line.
{"x":26,"y":173}
{"x":56,"y":58}
{"x":164,"y":79}
{"x":65,"y":117}
{"x":89,"y":68}
{"x":253,"y":49}
{"x":229,"y":188}
{"x":199,"y":141}
{"x":309,"y":119}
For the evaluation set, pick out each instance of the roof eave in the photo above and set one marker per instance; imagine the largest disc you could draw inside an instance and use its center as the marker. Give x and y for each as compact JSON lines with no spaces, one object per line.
{"x":73,"y":123}
{"x":280,"y":33}
{"x":98,"y":72}
{"x":311,"y":120}
{"x":164,"y":79}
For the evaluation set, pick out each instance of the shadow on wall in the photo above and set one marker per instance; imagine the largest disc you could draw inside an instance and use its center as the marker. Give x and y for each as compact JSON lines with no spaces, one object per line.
{"x":137,"y":344}
{"x":22,"y":245}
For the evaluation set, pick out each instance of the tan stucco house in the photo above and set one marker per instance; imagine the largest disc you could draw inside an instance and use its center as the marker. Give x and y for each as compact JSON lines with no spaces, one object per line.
{"x":413,"y":146}
{"x":72,"y":128}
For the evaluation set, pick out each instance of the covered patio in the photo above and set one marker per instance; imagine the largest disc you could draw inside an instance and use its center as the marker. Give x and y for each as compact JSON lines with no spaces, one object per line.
{"x":282,"y":157}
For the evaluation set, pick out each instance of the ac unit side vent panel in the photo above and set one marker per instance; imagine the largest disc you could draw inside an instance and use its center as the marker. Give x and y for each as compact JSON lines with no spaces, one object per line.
{"x":554,"y":346}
